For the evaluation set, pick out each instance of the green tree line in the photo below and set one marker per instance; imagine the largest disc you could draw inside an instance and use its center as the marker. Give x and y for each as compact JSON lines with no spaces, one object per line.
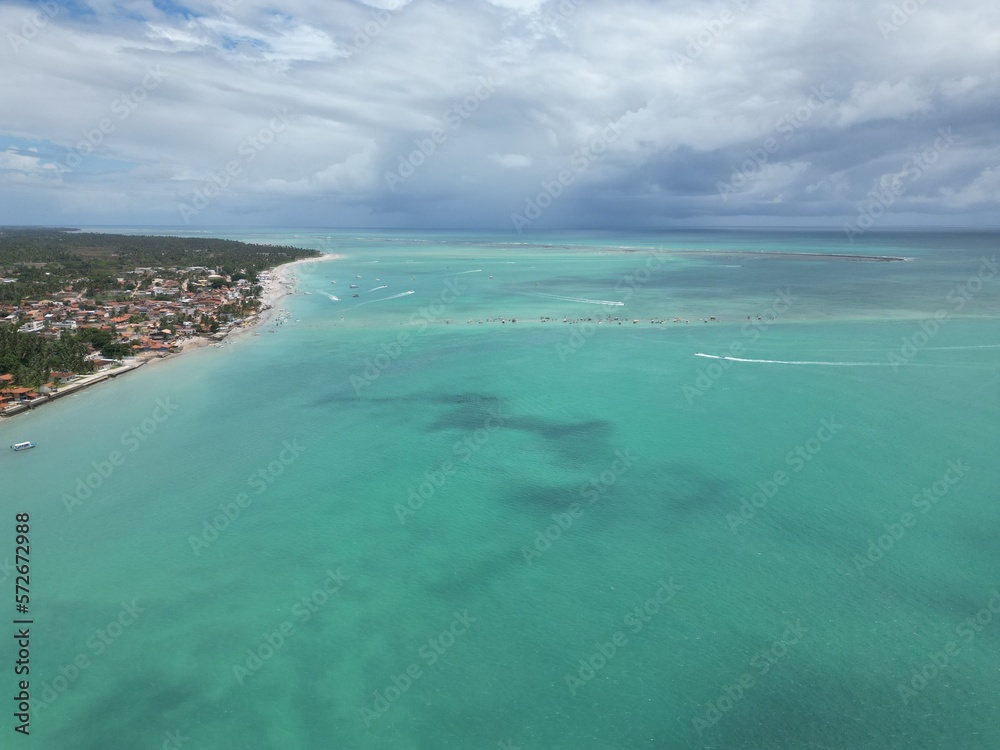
{"x":31,"y":358}
{"x":45,"y":261}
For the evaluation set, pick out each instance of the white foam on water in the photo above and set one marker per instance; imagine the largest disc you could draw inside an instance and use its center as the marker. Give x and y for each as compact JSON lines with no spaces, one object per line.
{"x":381,"y":299}
{"x":395,"y":296}
{"x":795,"y":362}
{"x":384,"y":286}
{"x":962,"y":348}
{"x":583,"y":300}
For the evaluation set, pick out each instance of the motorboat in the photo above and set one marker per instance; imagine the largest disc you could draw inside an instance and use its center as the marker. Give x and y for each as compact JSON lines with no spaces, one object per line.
{"x":23,"y":446}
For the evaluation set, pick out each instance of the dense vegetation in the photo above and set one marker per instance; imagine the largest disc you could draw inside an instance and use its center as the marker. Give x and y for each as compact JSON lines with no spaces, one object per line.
{"x":31,"y":358}
{"x":46,"y":260}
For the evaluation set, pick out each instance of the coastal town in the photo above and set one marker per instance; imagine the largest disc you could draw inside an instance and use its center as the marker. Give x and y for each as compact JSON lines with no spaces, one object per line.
{"x":157,"y":312}
{"x":80,"y":328}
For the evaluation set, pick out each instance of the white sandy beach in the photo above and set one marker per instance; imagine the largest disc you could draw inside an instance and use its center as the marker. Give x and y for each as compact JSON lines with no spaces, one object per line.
{"x":281,"y":282}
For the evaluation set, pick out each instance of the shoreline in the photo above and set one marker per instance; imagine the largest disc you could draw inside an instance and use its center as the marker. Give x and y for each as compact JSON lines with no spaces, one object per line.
{"x":280,"y":283}
{"x":86,"y":381}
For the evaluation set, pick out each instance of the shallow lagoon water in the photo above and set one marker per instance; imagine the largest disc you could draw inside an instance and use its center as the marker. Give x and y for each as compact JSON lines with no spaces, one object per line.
{"x":385,"y":526}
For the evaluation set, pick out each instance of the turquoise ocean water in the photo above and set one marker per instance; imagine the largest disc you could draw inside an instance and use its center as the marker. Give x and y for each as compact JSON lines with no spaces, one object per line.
{"x":386,"y":524}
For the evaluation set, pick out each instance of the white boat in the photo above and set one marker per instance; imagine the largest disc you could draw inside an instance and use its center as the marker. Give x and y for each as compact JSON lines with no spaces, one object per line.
{"x":23,"y":446}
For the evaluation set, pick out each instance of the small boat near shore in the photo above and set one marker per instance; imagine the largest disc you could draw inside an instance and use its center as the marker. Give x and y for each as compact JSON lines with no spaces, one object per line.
{"x":23,"y":446}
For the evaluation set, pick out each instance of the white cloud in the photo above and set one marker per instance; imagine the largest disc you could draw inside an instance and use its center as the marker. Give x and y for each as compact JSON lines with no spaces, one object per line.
{"x":512,"y":161}
{"x":12,"y":160}
{"x":883,"y":101}
{"x":522,"y":6}
{"x":984,"y":189}
{"x":362,"y":81}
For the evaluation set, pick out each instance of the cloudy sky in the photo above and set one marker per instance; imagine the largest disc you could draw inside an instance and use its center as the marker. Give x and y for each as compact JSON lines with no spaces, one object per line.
{"x":486,"y":113}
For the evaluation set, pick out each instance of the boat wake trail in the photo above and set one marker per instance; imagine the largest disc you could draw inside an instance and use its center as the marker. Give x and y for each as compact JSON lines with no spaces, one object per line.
{"x":327,"y":294}
{"x":962,"y":348}
{"x":384,"y":286}
{"x":789,"y":362}
{"x":382,"y":299}
{"x":395,"y":296}
{"x":462,"y":273}
{"x":584,"y":300}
